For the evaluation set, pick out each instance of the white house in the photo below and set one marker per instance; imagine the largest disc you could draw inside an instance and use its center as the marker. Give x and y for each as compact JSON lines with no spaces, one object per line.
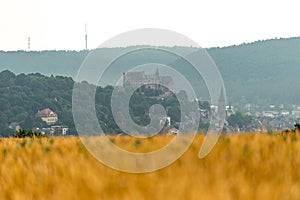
{"x":48,"y":116}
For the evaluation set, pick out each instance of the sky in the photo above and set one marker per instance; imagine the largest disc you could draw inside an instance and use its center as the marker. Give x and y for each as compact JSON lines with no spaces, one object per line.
{"x":60,"y":24}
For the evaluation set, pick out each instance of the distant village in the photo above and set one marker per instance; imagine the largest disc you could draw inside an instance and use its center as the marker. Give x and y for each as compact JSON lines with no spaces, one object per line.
{"x":272,"y":119}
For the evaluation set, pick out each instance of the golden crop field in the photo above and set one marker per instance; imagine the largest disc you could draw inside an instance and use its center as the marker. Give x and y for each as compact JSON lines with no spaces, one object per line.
{"x":249,"y":166}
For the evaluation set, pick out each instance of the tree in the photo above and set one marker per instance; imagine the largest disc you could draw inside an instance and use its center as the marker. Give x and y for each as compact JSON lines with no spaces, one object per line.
{"x":28,"y":122}
{"x":204,"y":105}
{"x":22,"y":133}
{"x":239,"y":120}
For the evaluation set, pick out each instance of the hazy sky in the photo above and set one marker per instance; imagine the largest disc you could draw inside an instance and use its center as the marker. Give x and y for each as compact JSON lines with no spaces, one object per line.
{"x":59,"y":24}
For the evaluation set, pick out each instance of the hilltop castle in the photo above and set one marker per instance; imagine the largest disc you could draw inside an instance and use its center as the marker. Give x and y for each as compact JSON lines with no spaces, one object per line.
{"x":152,"y":81}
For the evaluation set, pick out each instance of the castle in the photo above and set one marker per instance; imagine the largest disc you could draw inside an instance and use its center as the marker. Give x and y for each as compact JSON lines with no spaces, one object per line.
{"x":152,"y":81}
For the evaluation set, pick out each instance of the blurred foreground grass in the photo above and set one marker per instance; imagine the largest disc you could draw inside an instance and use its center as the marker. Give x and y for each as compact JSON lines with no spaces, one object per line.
{"x":250,"y":166}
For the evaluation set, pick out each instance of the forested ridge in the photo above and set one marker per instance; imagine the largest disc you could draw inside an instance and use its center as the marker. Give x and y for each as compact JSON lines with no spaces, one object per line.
{"x":262,"y":72}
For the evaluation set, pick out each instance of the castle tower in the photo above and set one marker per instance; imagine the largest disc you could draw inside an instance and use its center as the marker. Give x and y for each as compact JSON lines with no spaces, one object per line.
{"x":157,"y":79}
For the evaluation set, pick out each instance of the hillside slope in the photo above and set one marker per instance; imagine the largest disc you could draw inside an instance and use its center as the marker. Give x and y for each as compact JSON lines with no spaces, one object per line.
{"x":262,"y":72}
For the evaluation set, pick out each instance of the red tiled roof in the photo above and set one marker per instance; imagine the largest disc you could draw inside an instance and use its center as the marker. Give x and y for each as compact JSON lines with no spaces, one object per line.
{"x":45,"y":113}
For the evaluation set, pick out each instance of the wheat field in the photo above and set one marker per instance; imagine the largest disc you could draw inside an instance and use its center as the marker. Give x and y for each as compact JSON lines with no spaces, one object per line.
{"x":248,"y":166}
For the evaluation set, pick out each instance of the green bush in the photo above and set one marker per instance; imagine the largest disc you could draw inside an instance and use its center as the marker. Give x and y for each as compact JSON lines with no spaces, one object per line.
{"x":22,"y":133}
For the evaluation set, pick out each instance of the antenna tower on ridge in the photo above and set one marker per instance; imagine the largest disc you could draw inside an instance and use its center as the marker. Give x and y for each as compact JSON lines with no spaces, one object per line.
{"x":28,"y":44}
{"x":86,"y":37}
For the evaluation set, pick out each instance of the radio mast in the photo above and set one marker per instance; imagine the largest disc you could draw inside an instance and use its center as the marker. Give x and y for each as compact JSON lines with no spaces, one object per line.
{"x":86,"y":38}
{"x":28,"y":44}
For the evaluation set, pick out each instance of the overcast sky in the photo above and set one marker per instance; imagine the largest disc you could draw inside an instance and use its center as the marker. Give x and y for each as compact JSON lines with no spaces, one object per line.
{"x":59,"y":24}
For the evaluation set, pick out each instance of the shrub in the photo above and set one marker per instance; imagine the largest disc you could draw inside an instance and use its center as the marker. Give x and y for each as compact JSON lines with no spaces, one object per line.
{"x":297,"y":127}
{"x":22,"y":133}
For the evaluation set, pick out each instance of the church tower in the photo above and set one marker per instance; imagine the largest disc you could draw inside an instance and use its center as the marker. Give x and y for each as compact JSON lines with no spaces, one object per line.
{"x":157,"y":79}
{"x":222,"y":104}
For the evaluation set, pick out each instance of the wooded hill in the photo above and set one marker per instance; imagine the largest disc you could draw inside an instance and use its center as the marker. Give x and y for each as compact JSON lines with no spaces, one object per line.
{"x":262,"y":72}
{"x":22,"y":96}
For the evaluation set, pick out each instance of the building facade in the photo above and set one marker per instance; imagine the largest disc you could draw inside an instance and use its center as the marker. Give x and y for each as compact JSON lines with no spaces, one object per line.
{"x":48,"y":116}
{"x":152,"y":81}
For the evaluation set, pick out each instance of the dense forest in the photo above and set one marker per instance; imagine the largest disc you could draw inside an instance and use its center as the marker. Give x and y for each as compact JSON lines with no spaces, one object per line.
{"x":22,"y":96}
{"x":262,"y":72}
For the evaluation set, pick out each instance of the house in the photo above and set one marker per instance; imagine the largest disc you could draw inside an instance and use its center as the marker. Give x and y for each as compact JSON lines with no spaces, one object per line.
{"x":167,"y":121}
{"x":229,"y":110}
{"x":285,"y":113}
{"x":268,"y":114}
{"x":57,"y":130}
{"x":296,"y":113}
{"x":14,"y":126}
{"x":48,"y":116}
{"x":173,"y":131}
